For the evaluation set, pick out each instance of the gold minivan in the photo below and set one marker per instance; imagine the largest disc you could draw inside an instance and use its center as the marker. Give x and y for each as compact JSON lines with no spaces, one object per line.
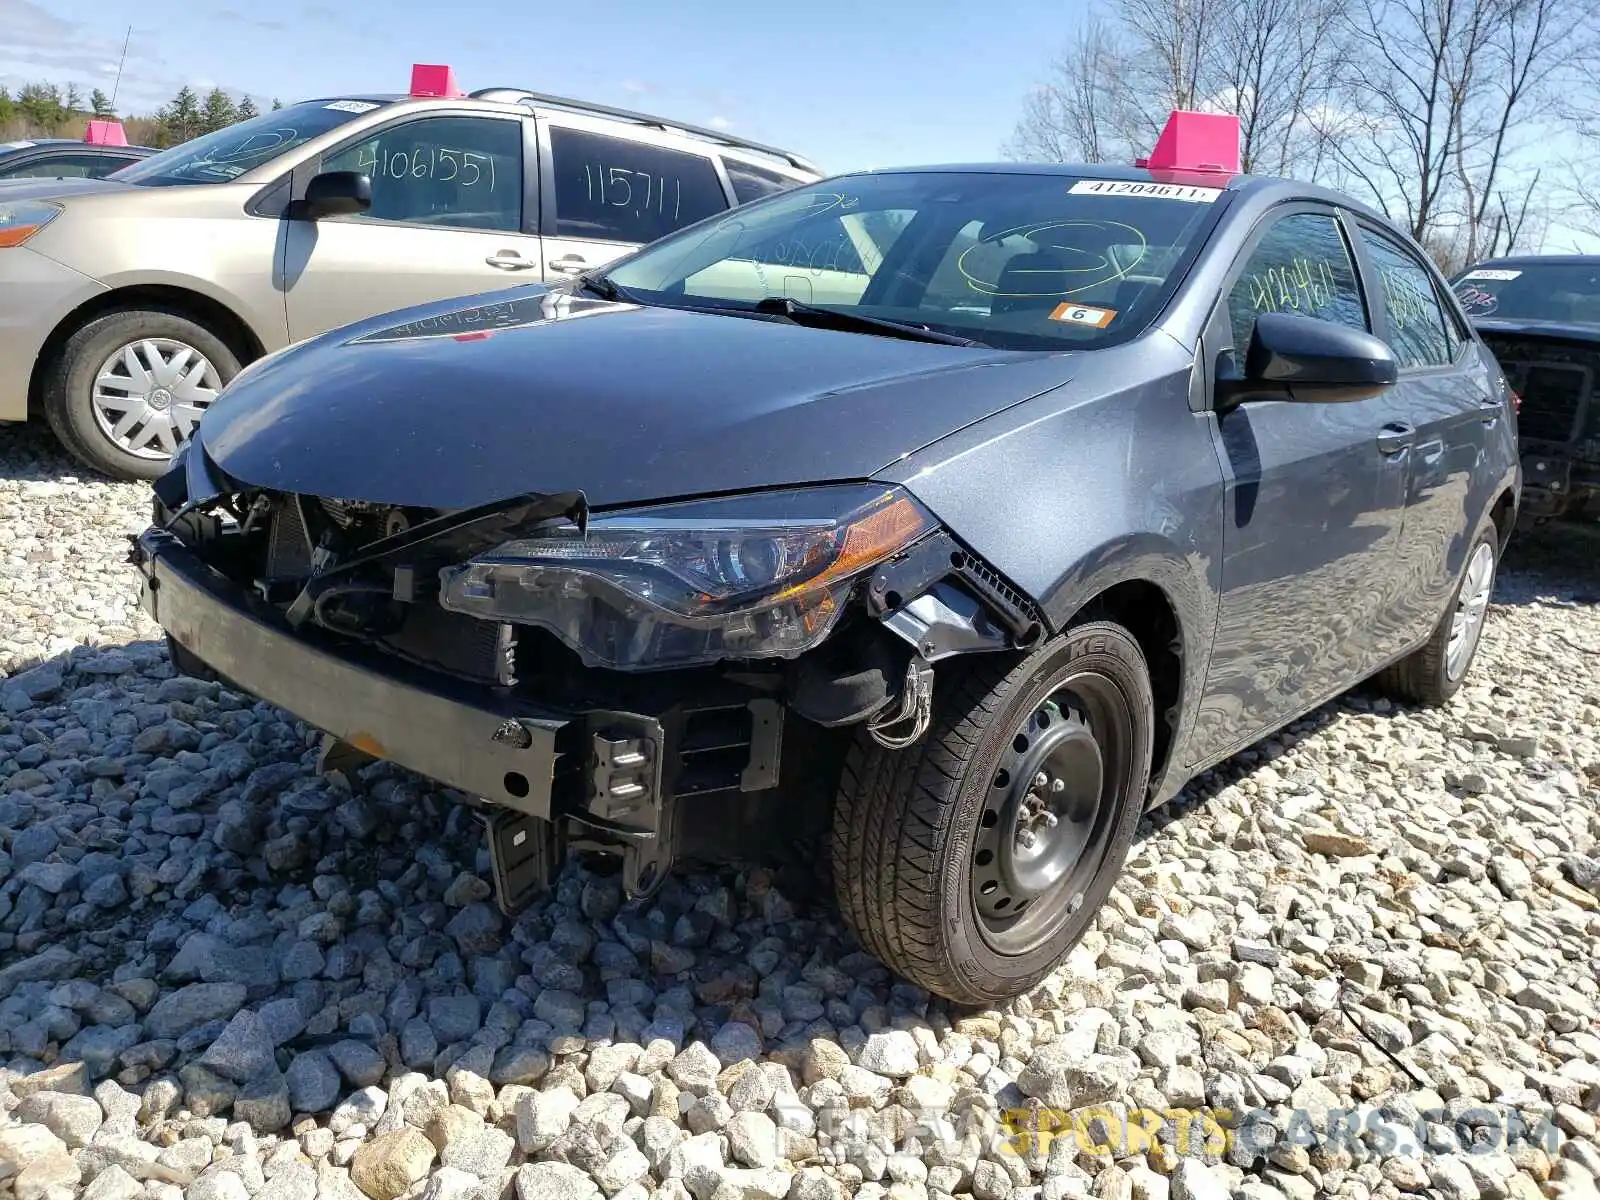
{"x":127,"y":303}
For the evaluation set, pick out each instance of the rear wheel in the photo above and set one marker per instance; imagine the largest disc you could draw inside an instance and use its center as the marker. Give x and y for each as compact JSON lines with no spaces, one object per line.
{"x":130,"y":386}
{"x":1433,"y":673}
{"x":972,"y":862}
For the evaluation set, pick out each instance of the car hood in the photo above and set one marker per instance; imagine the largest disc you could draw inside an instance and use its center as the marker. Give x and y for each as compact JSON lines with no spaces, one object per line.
{"x":1511,"y":327}
{"x":454,"y":405}
{"x":57,"y":189}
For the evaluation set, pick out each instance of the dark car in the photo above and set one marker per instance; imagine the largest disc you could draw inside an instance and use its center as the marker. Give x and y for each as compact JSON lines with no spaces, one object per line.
{"x":970,"y":509}
{"x":62,"y":158}
{"x":1540,"y":315}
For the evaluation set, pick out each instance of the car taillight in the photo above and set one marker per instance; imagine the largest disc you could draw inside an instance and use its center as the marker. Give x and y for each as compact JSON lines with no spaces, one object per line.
{"x":1516,"y":400}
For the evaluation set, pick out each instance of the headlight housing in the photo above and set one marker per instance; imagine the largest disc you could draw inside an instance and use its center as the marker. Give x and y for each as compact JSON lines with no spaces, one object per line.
{"x":21,"y":219}
{"x":755,"y":576}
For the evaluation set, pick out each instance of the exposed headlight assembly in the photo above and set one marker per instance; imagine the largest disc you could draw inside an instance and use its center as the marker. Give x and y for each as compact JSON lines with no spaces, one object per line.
{"x":754,"y":576}
{"x":21,"y":219}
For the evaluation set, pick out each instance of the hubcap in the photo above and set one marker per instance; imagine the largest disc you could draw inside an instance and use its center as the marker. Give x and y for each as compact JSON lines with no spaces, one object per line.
{"x":1472,"y":605}
{"x":149,"y":395}
{"x":1044,"y":822}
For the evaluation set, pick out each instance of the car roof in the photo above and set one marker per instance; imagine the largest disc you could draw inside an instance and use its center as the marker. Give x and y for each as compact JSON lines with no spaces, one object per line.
{"x":1271,"y":188}
{"x":503,"y":98}
{"x":53,"y":143}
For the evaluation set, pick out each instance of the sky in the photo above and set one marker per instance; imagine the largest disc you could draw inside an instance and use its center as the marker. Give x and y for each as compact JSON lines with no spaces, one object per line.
{"x":848,"y":83}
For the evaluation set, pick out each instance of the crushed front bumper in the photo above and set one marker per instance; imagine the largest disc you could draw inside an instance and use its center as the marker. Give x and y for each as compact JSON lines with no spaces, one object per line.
{"x":547,"y":777}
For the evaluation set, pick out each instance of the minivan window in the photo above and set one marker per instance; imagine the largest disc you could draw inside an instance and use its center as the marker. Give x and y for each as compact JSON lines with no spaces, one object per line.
{"x":464,"y":172}
{"x":751,"y":182}
{"x":616,"y":190}
{"x":1016,"y":261}
{"x":225,"y":155}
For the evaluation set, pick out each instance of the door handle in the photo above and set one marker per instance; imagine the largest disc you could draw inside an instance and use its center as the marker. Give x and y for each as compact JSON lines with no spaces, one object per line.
{"x":1396,"y":438}
{"x":569,"y":264}
{"x":509,"y":260}
{"x":1490,"y":411}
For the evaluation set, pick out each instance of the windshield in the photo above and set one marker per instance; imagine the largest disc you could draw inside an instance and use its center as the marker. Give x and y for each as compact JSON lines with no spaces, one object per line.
{"x":228,"y":153}
{"x":1015,"y":261}
{"x":1562,"y":293}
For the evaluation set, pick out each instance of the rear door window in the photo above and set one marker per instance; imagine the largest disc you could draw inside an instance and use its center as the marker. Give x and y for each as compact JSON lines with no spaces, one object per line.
{"x":1418,"y":331}
{"x":616,"y":190}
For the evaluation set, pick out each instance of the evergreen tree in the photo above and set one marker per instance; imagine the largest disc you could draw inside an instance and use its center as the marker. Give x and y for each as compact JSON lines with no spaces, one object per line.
{"x":276,"y":104}
{"x":247,"y":109}
{"x":100,"y":105}
{"x":8,"y":110}
{"x":40,"y":105}
{"x":180,"y":120}
{"x":219,"y":111}
{"x":73,"y":102}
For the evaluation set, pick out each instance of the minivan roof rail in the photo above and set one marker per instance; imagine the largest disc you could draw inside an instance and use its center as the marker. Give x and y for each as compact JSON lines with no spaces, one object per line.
{"x":523,"y":96}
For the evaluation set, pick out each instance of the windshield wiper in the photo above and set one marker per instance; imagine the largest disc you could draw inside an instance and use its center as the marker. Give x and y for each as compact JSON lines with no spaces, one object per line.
{"x":852,"y":322}
{"x":600,"y":286}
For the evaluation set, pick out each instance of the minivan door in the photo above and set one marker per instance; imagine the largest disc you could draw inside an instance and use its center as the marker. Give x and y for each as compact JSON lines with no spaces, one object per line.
{"x":604,"y":196}
{"x":452,"y":214}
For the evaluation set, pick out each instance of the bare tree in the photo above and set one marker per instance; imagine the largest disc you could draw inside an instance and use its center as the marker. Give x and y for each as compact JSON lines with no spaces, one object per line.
{"x":1078,"y":116}
{"x":1110,"y":91}
{"x":1442,"y":113}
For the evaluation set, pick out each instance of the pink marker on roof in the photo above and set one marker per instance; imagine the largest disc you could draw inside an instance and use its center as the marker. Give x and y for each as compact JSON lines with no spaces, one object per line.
{"x":430,"y":80}
{"x":1196,"y":141}
{"x":105,"y":133}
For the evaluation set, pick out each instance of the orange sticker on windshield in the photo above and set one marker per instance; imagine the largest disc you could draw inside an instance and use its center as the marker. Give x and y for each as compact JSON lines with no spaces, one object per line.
{"x":1083,"y":314}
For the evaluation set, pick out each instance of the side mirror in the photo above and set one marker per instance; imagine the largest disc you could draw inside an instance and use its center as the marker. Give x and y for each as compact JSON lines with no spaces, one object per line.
{"x":1310,"y":360}
{"x":336,"y":194}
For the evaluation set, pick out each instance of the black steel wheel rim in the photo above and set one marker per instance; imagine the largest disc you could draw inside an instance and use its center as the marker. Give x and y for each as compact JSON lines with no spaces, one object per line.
{"x":1046,"y":820}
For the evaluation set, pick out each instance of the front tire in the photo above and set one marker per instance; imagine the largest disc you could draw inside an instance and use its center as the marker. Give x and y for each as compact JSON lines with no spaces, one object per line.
{"x":130,"y":386}
{"x":1434,"y":672}
{"x":972,"y":862}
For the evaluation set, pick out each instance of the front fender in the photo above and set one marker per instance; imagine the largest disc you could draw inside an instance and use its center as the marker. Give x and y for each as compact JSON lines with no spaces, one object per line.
{"x":1111,"y":479}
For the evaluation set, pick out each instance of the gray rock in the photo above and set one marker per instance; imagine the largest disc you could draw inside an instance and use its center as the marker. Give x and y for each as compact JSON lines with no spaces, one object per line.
{"x":695,"y":1069}
{"x":555,"y":1181}
{"x":176,"y":1013}
{"x":735,"y":1042}
{"x":244,"y":1051}
{"x":542,"y":1117}
{"x":454,"y":1018}
{"x":1194,"y":1180}
{"x":483,"y":1154}
{"x":359,"y":1063}
{"x":892,"y":1053}
{"x":313,"y":1082}
{"x":753,"y":1139}
{"x":264,"y":1103}
{"x":73,"y":1119}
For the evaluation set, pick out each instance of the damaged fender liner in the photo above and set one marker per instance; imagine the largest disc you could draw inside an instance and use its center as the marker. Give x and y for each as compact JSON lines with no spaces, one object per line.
{"x":432,"y":728}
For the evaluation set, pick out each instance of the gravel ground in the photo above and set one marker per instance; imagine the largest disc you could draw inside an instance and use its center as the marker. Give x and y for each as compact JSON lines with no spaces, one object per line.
{"x":223,"y":977}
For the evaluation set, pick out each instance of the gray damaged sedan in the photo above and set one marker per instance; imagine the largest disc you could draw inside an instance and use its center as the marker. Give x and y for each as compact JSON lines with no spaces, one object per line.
{"x":956,"y":515}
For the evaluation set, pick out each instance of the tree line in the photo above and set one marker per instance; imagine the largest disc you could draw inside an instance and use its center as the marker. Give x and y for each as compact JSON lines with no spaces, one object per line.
{"x":1467,"y":121}
{"x":48,"y":110}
